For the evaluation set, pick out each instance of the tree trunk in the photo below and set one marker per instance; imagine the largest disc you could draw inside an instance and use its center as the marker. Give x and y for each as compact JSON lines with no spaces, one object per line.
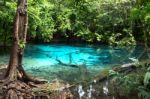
{"x":15,"y":68}
{"x":19,"y":39}
{"x":16,"y":79}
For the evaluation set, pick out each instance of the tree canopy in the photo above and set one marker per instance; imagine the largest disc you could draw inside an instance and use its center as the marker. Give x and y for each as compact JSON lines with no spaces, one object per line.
{"x":113,"y":22}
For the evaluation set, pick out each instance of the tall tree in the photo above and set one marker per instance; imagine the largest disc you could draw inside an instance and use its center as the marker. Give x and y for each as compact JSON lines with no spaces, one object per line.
{"x":15,"y":73}
{"x":19,"y":39}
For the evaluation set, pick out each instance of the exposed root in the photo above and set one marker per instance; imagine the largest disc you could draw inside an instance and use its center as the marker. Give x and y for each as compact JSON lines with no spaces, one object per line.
{"x":5,"y":82}
{"x":19,"y":87}
{"x":25,"y":77}
{"x":16,"y":90}
{"x":11,"y":94}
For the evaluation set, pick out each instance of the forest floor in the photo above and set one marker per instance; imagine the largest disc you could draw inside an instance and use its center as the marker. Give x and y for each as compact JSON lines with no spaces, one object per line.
{"x":101,"y":87}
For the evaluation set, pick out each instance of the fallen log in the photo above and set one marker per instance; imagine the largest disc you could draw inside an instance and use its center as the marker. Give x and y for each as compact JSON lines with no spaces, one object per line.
{"x":64,"y":64}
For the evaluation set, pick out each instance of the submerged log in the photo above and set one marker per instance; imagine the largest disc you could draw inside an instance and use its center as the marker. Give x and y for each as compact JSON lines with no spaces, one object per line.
{"x":69,"y":65}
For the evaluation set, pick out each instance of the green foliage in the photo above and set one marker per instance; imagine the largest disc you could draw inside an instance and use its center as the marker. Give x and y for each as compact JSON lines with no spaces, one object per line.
{"x":41,"y":24}
{"x":126,"y":83}
{"x":22,"y":44}
{"x":147,"y":78}
{"x":7,"y":12}
{"x":144,"y":92}
{"x":140,"y":19}
{"x":87,"y":20}
{"x":137,"y":81}
{"x":111,"y":22}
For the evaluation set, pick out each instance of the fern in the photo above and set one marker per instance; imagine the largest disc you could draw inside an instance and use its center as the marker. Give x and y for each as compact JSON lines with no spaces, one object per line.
{"x":147,"y":79}
{"x":144,"y":93}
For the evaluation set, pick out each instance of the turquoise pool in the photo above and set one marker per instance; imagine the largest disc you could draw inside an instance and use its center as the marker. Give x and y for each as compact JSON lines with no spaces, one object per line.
{"x":73,"y":63}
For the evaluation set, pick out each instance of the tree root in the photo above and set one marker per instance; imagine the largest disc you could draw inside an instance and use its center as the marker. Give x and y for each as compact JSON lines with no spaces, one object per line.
{"x":11,"y":94}
{"x":16,"y":90}
{"x":19,"y":87}
{"x":22,"y":75}
{"x":5,"y":81}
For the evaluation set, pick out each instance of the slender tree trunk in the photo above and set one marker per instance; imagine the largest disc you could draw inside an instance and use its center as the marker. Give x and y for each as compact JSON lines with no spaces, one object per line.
{"x":19,"y":40}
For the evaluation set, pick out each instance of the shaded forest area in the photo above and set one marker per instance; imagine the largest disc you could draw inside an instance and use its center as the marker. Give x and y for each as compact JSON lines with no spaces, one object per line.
{"x":113,"y":22}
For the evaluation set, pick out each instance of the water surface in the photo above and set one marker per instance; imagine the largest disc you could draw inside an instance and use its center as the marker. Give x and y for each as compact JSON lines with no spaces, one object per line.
{"x":73,"y":63}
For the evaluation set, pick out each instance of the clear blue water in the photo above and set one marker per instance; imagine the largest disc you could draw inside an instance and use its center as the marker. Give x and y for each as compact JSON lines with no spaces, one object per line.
{"x":73,"y":63}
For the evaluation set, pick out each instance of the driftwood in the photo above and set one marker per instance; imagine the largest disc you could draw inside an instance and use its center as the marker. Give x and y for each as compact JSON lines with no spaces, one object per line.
{"x":104,"y":75}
